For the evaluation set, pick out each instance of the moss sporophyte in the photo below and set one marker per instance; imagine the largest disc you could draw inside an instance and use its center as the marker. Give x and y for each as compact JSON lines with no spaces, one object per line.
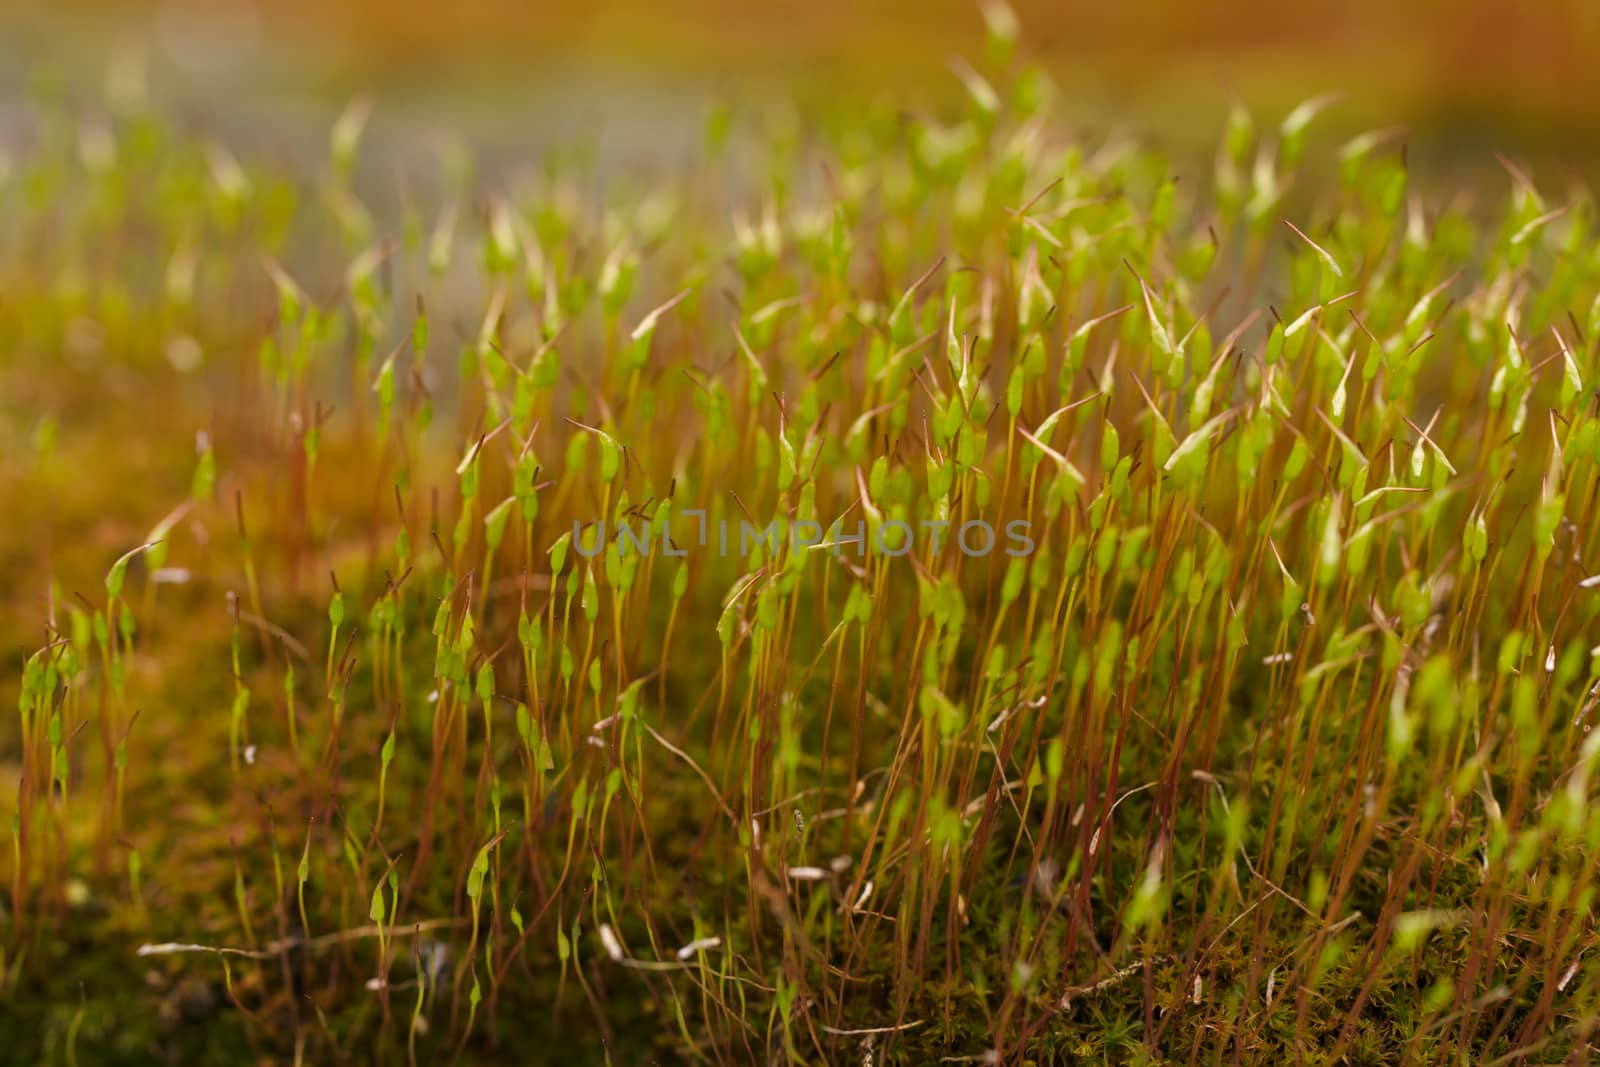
{"x":922,"y":585}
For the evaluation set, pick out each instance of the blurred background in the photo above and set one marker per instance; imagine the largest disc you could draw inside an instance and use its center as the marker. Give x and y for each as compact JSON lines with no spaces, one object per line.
{"x":1466,"y":77}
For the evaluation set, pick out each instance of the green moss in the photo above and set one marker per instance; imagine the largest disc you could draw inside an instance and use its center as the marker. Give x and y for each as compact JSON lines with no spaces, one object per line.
{"x":1273,"y":745}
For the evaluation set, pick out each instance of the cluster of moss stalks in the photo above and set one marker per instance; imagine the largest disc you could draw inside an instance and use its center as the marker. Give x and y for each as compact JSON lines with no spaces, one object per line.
{"x":346,"y":730}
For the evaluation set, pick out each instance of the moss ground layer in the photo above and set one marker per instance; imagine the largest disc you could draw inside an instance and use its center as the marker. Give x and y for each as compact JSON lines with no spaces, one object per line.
{"x":1213,"y":682}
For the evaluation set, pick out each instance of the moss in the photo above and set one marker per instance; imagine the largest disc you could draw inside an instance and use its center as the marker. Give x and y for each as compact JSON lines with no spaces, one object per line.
{"x":1273,"y":747}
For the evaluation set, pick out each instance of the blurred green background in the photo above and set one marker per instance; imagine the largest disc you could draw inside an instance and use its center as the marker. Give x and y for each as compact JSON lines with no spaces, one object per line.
{"x":1465,"y":77}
